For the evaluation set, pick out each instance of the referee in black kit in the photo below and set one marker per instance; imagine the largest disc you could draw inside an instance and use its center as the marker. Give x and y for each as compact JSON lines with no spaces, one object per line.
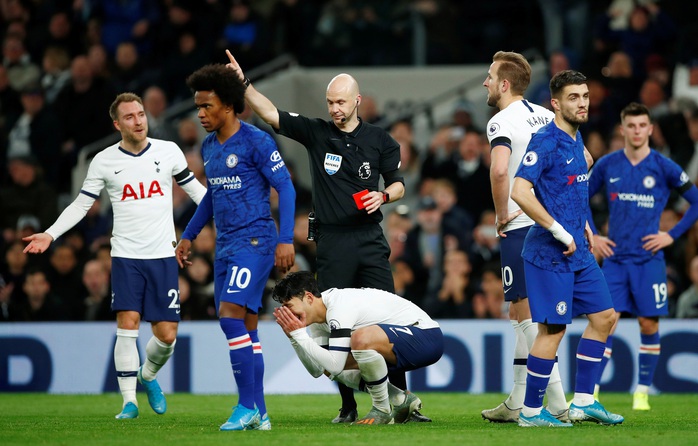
{"x":347,"y":157}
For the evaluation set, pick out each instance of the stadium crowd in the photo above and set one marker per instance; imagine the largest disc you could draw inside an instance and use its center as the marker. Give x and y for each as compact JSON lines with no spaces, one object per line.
{"x":64,"y":61}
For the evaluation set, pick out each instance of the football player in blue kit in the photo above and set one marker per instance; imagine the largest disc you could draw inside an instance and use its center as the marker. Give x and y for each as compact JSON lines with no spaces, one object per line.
{"x":241,"y":164}
{"x":637,"y":182}
{"x":563,"y":279}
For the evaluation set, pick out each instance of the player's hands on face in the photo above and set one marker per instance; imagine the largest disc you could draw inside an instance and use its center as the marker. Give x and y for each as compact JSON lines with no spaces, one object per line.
{"x":655,"y":242}
{"x":182,"y":253}
{"x":38,"y":243}
{"x":288,"y":321}
{"x":233,"y":65}
{"x":285,"y":257}
{"x":502,"y":224}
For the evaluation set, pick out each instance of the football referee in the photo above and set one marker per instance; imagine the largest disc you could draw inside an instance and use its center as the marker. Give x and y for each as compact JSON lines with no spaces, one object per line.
{"x":347,"y":156}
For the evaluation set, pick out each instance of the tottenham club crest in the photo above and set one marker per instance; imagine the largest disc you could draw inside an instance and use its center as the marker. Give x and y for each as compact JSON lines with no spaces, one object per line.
{"x":365,"y":171}
{"x":530,"y":158}
{"x":334,"y":324}
{"x":649,"y":182}
{"x":231,"y":161}
{"x":561,"y":308}
{"x":332,"y":163}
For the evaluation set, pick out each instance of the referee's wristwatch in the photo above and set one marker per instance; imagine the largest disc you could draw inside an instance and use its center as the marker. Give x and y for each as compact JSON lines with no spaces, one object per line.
{"x":386,"y":197}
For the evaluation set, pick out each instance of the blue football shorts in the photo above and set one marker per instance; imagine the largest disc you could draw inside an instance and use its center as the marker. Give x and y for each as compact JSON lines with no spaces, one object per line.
{"x":148,"y":286}
{"x":414,"y":348}
{"x":638,"y":289}
{"x":513,"y":276}
{"x":240,"y":279}
{"x":556,"y":298}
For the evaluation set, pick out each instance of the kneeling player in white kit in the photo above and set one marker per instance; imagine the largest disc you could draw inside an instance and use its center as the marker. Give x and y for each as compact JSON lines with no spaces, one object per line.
{"x":381,"y":330}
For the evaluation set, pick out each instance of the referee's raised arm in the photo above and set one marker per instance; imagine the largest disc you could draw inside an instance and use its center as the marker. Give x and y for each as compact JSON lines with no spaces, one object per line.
{"x":261,"y":105}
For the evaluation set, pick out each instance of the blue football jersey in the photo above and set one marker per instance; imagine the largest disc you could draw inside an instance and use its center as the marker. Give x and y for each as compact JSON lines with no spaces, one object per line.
{"x":239,"y":174}
{"x":636,"y":197}
{"x":554,"y":163}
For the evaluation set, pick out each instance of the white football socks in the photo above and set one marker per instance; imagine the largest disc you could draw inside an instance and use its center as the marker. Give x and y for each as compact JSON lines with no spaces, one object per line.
{"x":374,"y":371}
{"x":156,"y":355}
{"x":126,"y":361}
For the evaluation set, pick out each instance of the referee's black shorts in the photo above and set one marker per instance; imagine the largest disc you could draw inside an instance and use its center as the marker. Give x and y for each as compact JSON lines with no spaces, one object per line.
{"x":353,"y":257}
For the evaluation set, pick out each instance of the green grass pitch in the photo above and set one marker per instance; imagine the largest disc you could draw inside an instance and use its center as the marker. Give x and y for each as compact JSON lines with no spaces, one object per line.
{"x":40,"y":419}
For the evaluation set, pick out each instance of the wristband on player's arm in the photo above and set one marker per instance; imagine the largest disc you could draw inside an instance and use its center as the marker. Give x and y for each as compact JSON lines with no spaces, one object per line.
{"x":560,"y":234}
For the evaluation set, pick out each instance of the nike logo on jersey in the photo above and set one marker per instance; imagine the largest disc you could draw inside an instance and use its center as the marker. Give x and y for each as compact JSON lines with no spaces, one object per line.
{"x":116,"y":172}
{"x":613,"y":180}
{"x":570,"y":160}
{"x":206,"y":162}
{"x":177,"y":311}
{"x":229,"y":291}
{"x":401,"y":329}
{"x":506,"y":290}
{"x":660,"y":305}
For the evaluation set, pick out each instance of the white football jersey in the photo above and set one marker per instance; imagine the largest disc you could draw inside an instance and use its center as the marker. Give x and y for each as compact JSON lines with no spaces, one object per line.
{"x":353,"y":308}
{"x":140,"y":190}
{"x":513,"y":127}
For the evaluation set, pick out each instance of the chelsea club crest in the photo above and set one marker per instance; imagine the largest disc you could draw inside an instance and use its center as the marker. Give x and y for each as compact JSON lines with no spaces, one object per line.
{"x":232,"y":160}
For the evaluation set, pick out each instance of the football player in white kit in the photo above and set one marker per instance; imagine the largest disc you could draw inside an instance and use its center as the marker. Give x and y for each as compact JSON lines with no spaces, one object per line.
{"x":381,"y":330}
{"x":509,"y":132}
{"x":137,"y":173}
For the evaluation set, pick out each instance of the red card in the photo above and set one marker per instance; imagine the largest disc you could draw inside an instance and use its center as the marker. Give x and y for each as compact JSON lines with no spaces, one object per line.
{"x":357,"y":198}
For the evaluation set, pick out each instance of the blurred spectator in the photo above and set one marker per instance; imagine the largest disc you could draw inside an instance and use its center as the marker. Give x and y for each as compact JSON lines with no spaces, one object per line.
{"x":245,"y":35}
{"x":36,"y":133}
{"x":61,"y":32}
{"x":200,"y":277}
{"x":490,"y":303}
{"x":306,"y":250}
{"x":468,"y":173}
{"x":184,"y":298}
{"x":96,"y":305}
{"x":155,"y":105}
{"x":14,"y":271}
{"x":41,"y":305}
{"x":692,"y":167}
{"x":405,"y":285}
{"x":687,"y":305}
{"x":188,"y":136}
{"x":539,"y":93}
{"x":424,"y":248}
{"x":622,"y":86}
{"x":56,"y":71}
{"x":103,"y":254}
{"x":685,"y":83}
{"x":21,"y":71}
{"x":368,"y":112}
{"x":403,"y":133}
{"x":653,"y":96}
{"x":398,"y":224}
{"x":205,"y":242}
{"x":485,"y":247}
{"x":65,"y":276}
{"x":122,"y":21}
{"x":81,"y":107}
{"x":456,"y":223}
{"x":6,"y":305}
{"x":601,"y":113}
{"x":98,"y":60}
{"x":128,"y":72}
{"x":292,"y":23}
{"x":650,"y":31}
{"x":565,"y":25}
{"x":95,"y":226}
{"x":187,"y":56}
{"x":454,"y":298}
{"x":26,"y":194}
